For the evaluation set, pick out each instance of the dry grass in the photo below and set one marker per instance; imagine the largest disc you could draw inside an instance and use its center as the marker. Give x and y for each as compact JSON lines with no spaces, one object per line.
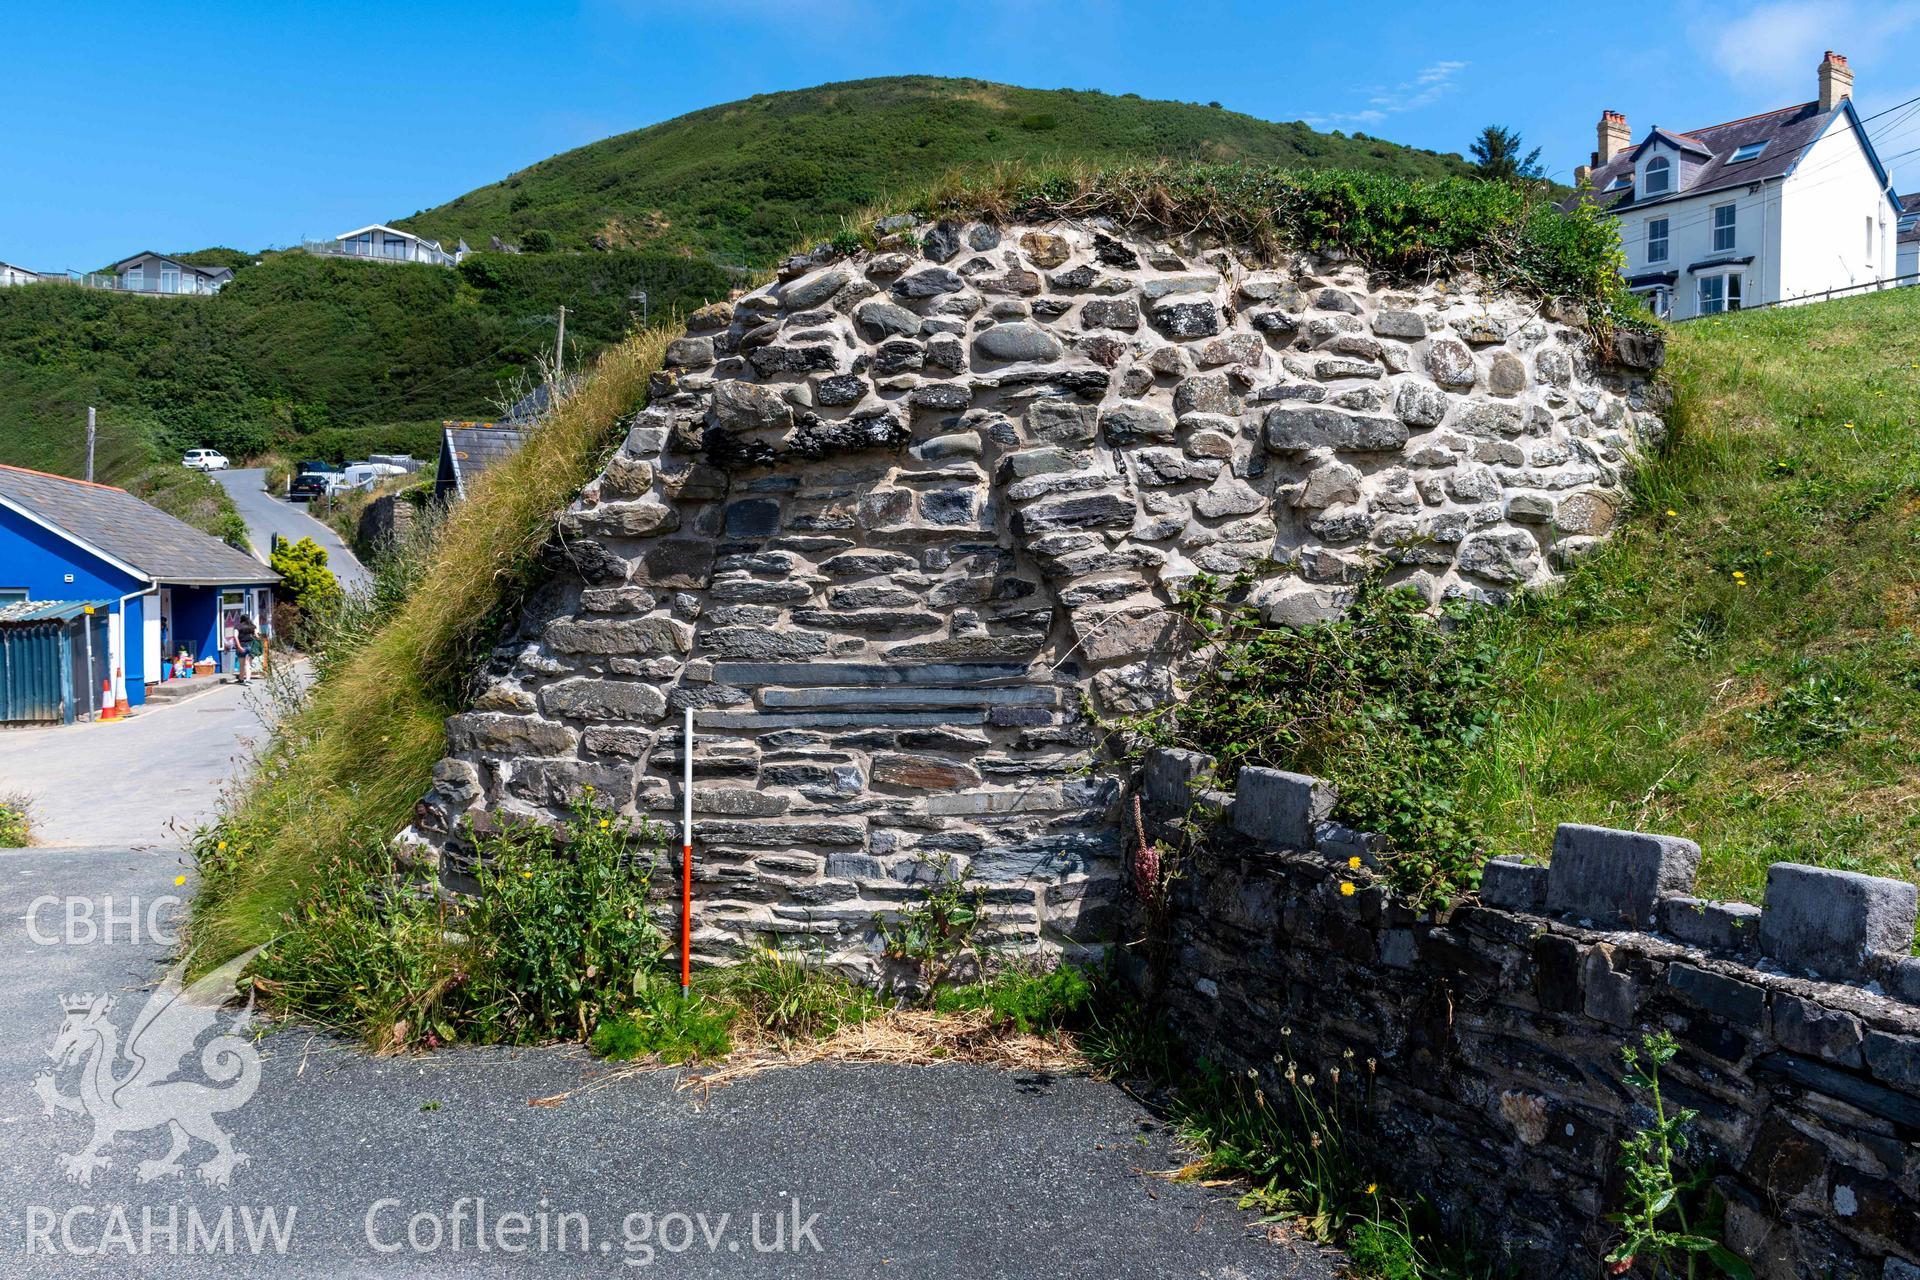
{"x":348,"y":766}
{"x":906,"y":1037}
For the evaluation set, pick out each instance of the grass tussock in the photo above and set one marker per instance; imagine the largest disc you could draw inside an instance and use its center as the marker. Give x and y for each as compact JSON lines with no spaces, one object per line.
{"x":346,"y":768}
{"x":1741,"y":664}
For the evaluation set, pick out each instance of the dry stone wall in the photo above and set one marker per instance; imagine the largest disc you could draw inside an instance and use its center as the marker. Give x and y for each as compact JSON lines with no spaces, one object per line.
{"x":897,"y":524}
{"x":1487,"y":1038}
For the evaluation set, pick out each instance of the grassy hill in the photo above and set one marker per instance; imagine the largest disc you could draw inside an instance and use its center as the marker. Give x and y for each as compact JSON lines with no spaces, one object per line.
{"x":304,"y":355}
{"x":1741,"y":665}
{"x":324,"y":357}
{"x":748,"y":180}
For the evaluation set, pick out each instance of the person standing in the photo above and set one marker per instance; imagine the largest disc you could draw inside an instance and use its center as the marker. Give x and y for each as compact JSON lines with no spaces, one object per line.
{"x":246,"y":639}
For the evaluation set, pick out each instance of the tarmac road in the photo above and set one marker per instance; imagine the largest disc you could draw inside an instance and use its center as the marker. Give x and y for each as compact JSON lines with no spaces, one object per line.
{"x":267,"y":515}
{"x":379,"y":1167}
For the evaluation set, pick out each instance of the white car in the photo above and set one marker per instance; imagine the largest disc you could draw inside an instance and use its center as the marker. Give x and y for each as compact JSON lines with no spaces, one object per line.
{"x":205,"y":460}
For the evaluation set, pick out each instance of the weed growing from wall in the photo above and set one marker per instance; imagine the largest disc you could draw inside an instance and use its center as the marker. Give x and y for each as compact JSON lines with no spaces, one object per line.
{"x":1386,"y":702}
{"x":1661,"y":1227}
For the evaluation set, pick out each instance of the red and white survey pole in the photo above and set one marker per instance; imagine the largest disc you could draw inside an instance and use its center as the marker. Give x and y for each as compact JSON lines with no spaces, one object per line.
{"x":686,"y":857}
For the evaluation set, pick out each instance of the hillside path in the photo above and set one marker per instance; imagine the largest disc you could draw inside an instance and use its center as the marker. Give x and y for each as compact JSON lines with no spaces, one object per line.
{"x":942,"y":1171}
{"x":267,"y":515}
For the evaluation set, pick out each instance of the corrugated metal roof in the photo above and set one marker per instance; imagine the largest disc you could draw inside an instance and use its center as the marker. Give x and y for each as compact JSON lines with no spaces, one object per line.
{"x":23,"y":611}
{"x":121,"y":526}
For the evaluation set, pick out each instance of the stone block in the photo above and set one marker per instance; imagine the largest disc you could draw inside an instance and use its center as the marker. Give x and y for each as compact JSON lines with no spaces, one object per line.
{"x":1281,"y":809}
{"x":1741,"y":1003}
{"x":1168,"y":778}
{"x":1902,"y":978}
{"x":1616,"y":878}
{"x":1732,"y":927}
{"x":1608,"y":994}
{"x":1829,"y":923}
{"x":1820,"y":1032}
{"x":1512,"y":885}
{"x":1895,"y":1059}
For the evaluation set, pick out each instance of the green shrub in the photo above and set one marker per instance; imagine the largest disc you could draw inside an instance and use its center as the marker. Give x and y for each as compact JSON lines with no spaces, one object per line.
{"x":1386,"y":702}
{"x":1511,"y":233}
{"x":304,"y":576}
{"x":1030,"y":1000}
{"x":664,"y":1022}
{"x":559,"y":934}
{"x":16,"y":831}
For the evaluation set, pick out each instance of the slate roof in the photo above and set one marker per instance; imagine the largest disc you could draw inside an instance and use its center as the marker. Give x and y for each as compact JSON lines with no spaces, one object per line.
{"x":1909,"y":219}
{"x":1787,"y":132}
{"x":211,"y":273}
{"x":468,"y":450}
{"x":119,"y":525}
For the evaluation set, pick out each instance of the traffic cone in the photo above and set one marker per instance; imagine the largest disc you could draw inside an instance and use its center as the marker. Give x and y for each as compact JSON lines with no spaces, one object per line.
{"x":107,"y":710}
{"x":121,"y":709}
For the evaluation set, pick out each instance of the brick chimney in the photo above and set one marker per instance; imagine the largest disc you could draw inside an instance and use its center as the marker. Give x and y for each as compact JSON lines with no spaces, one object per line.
{"x":1836,"y":80}
{"x":1614,"y":136}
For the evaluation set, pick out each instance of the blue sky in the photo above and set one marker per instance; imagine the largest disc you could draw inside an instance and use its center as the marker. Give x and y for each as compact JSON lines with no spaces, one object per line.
{"x":173,"y":126}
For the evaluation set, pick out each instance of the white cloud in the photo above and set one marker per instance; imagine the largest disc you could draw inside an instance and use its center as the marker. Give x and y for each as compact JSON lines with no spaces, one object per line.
{"x":1776,"y":46}
{"x":1433,"y":82}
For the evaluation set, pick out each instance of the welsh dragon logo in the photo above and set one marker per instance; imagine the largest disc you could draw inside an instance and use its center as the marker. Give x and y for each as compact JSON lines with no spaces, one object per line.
{"x":133,"y":1089}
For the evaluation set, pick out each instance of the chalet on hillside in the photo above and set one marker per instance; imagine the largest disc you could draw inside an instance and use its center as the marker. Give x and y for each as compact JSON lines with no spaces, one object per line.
{"x":381,"y":243}
{"x":156,"y":273}
{"x":1775,"y":207}
{"x":12,"y":275}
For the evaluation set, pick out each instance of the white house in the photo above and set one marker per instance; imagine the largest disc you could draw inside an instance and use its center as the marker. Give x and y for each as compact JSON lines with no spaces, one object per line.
{"x":390,"y":244}
{"x":1771,"y":208}
{"x":10,"y":275}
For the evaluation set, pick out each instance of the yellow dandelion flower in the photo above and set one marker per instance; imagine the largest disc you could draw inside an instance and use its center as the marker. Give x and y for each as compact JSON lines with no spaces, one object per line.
{"x":1354,"y":862}
{"x":1346,"y":888}
{"x":179,"y":880}
{"x":1672,"y":512}
{"x":1372,"y":1187}
{"x":1738,"y":574}
{"x":603,"y":824}
{"x":221,"y":846}
{"x":526,"y":875}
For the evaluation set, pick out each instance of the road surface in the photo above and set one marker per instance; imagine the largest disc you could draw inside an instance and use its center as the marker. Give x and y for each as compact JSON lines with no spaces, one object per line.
{"x":144,"y":781}
{"x":373,"y":1166}
{"x":267,"y":515}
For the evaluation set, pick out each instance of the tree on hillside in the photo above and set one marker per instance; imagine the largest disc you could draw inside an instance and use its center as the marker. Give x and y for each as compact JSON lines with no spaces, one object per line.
{"x":1496,"y":156}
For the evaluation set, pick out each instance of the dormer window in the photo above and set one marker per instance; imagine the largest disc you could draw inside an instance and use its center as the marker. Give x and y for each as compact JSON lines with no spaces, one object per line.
{"x":1658,"y":178}
{"x":1747,"y":151}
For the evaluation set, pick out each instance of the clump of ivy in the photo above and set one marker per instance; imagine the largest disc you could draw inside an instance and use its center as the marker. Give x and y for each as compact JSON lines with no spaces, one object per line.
{"x":1387,"y":702}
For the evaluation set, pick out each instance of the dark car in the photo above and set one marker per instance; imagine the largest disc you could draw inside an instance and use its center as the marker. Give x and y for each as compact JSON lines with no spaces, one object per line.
{"x":313,"y":479}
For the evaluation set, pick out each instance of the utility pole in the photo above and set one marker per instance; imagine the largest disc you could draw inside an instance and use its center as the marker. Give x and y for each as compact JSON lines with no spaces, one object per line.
{"x":560,"y":350}
{"x":91,"y":432}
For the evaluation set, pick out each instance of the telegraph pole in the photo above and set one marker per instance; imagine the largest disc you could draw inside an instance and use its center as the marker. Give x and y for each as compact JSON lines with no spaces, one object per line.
{"x":560,"y":350}
{"x":91,"y":432}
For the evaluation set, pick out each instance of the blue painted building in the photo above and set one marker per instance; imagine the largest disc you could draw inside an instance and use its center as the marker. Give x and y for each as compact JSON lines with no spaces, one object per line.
{"x":164,"y":586}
